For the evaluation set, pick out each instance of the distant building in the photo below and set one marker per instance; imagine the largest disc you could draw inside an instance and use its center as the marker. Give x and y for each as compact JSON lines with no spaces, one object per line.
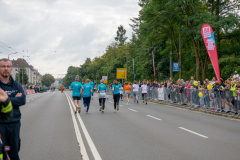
{"x":37,"y":77}
{"x":57,"y":82}
{"x":34,"y":76}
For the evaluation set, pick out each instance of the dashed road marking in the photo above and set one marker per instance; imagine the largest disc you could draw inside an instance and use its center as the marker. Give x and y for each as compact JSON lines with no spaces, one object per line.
{"x":154,"y":117}
{"x":198,"y":134}
{"x":132,"y":110}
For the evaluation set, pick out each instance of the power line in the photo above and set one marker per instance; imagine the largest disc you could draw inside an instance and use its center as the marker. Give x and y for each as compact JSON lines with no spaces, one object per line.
{"x":19,"y":53}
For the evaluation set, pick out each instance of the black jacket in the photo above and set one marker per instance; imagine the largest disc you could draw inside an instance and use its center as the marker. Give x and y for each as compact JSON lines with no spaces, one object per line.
{"x":6,"y":111}
{"x":12,"y":88}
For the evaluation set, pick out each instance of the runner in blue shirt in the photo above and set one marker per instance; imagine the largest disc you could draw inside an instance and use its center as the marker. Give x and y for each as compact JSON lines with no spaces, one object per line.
{"x":86,"y":94}
{"x":102,"y":95}
{"x":92,"y":84}
{"x":116,"y":94}
{"x":76,"y":87}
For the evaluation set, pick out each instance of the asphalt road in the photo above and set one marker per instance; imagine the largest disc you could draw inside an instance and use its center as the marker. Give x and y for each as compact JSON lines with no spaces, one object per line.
{"x":50,"y":130}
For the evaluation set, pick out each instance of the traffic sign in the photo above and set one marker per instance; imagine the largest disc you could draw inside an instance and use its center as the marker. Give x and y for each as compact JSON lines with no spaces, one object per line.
{"x":106,"y":81}
{"x":175,"y":66}
{"x":121,"y":73}
{"x":105,"y":78}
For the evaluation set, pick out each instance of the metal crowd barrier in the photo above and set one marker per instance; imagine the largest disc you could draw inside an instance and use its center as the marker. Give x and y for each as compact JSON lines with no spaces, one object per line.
{"x":219,"y":101}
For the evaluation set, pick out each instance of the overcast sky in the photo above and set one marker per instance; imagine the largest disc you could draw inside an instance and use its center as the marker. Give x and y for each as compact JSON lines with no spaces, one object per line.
{"x":56,"y":34}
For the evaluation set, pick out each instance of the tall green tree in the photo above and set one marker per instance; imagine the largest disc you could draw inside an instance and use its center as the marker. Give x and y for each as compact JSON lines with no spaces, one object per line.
{"x":22,"y":75}
{"x":72,"y":72}
{"x":47,"y":80}
{"x":121,"y":37}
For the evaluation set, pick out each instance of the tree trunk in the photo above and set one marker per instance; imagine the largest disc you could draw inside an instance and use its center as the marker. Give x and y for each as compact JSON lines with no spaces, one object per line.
{"x":204,"y":67}
{"x":180,"y":50}
{"x":197,"y":58}
{"x":218,"y":28}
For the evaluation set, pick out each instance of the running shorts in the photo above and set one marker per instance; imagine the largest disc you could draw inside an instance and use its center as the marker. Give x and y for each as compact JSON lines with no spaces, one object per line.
{"x":76,"y":98}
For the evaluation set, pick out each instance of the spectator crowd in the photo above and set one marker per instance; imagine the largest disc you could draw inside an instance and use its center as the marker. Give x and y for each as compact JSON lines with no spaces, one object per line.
{"x":221,"y":96}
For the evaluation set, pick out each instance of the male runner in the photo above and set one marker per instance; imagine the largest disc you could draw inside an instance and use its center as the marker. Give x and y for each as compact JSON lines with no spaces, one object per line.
{"x":76,"y":87}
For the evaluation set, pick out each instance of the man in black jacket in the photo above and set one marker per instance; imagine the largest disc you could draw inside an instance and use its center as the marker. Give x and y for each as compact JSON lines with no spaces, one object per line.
{"x":6,"y":109}
{"x":10,"y":129}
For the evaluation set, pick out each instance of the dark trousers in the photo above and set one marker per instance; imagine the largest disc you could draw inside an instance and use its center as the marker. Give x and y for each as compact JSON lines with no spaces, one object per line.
{"x":86,"y":102}
{"x":144,"y":96}
{"x":116,"y":98}
{"x":11,"y":137}
{"x":102,"y":102}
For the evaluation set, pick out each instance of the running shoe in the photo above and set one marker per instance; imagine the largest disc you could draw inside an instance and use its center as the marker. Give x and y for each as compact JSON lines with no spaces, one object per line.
{"x":137,"y":101}
{"x":117,"y":107}
{"x":114,"y":110}
{"x":79,"y":110}
{"x":146,"y":103}
{"x":143,"y":101}
{"x":127,"y":103}
{"x":86,"y":110}
{"x":102,"y":111}
{"x":75,"y":112}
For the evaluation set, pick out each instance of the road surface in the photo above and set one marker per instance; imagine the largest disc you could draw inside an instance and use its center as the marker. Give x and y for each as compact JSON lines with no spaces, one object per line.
{"x":50,"y":130}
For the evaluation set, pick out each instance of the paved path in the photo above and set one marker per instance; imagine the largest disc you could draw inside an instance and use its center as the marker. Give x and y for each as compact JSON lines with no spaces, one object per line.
{"x":50,"y":130}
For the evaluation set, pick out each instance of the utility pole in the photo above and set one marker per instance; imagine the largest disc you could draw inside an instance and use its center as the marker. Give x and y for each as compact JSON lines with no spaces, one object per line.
{"x":96,"y":78}
{"x":127,"y":67}
{"x":18,"y":75}
{"x":22,"y":74}
{"x":180,"y":50}
{"x":171,"y":65}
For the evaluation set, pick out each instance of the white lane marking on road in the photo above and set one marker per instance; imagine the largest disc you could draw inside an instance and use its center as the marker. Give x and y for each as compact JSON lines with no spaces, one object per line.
{"x":83,"y":151}
{"x":154,"y":117}
{"x":193,"y":132}
{"x":132,"y":110}
{"x":91,"y":145}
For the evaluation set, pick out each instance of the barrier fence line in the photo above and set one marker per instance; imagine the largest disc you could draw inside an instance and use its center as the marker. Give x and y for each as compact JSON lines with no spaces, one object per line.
{"x":207,"y":99}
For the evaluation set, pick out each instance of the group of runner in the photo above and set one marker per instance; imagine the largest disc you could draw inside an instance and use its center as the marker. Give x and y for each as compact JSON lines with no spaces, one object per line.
{"x":86,"y":92}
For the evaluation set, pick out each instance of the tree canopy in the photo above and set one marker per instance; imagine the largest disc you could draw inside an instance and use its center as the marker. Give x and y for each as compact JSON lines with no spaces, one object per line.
{"x":47,"y":80}
{"x":165,"y":26}
{"x":22,"y":75}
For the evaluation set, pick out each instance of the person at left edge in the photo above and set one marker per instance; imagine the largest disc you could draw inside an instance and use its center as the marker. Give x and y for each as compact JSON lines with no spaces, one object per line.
{"x":6,"y":109}
{"x":76,"y":87}
{"x":10,"y":130}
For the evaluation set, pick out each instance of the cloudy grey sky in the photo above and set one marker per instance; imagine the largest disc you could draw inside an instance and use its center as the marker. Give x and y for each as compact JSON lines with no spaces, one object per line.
{"x":56,"y":34}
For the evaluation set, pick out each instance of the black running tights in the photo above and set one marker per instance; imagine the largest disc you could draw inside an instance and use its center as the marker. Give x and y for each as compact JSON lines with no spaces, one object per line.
{"x":116,"y":98}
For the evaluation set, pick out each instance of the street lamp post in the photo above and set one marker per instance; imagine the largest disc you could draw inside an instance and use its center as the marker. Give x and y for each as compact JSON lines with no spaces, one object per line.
{"x":11,"y":54}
